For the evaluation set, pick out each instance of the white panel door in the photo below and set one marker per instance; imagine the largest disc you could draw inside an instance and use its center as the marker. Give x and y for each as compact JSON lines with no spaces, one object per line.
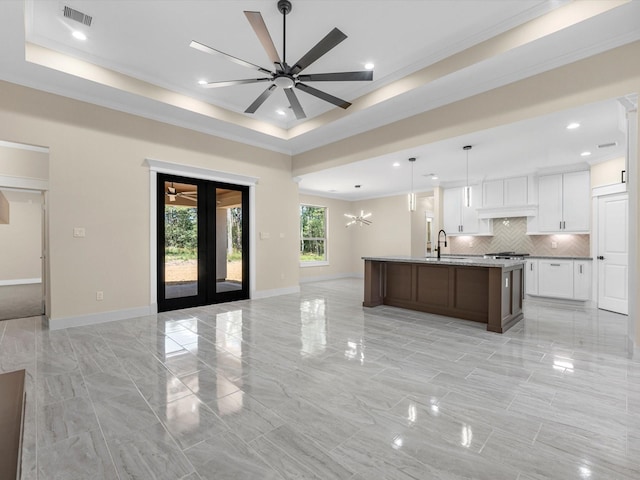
{"x":613,"y":253}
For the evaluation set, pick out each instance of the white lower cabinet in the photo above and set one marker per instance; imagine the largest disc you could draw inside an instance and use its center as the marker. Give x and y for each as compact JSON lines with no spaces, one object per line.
{"x":555,"y":278}
{"x":581,"y":280}
{"x":531,"y":277}
{"x":568,"y":279}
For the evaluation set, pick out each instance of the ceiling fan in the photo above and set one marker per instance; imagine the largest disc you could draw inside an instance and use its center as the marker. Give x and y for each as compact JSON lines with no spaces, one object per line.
{"x":284,"y":75}
{"x":173,"y":193}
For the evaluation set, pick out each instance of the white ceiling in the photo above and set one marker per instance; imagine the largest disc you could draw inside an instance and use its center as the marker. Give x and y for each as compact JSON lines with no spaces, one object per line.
{"x":149,"y":41}
{"x":540,"y":145}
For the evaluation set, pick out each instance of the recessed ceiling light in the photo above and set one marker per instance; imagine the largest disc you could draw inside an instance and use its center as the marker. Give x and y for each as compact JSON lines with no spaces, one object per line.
{"x":78,"y":35}
{"x":369,"y":66}
{"x":396,"y":164}
{"x":202,"y":82}
{"x":585,"y":154}
{"x":573,"y":126}
{"x":280,"y":112}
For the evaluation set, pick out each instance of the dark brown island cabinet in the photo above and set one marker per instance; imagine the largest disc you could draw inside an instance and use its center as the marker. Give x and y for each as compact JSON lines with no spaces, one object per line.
{"x":479,"y":289}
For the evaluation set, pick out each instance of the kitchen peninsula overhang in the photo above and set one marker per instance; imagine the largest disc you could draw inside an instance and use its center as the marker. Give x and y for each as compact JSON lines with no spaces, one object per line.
{"x":484,"y":290}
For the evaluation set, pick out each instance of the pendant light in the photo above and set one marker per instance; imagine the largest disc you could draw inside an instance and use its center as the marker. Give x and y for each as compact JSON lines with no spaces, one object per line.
{"x":467,"y":187}
{"x":412,"y":196}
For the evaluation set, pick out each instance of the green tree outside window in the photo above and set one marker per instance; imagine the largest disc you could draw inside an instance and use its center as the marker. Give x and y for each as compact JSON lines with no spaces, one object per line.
{"x":313,"y":233}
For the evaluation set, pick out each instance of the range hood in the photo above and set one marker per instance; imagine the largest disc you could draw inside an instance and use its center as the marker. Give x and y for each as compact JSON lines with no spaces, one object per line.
{"x":511,"y":211}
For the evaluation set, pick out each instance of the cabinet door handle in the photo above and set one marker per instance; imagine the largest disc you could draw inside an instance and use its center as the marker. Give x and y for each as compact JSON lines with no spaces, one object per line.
{"x":580,"y":268}
{"x":564,"y":225}
{"x":531,"y":267}
{"x":554,"y":264}
{"x":560,"y":225}
{"x":600,"y":257}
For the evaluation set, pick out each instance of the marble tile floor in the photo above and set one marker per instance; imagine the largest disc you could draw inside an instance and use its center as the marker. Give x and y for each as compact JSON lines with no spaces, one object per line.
{"x":313,"y":386}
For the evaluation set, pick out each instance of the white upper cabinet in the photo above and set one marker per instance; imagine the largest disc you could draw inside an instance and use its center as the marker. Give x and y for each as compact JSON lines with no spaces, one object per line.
{"x":516,"y":191}
{"x":563,"y":202}
{"x":576,"y":201}
{"x":493,"y":193}
{"x":462,"y":220}
{"x":508,"y":192}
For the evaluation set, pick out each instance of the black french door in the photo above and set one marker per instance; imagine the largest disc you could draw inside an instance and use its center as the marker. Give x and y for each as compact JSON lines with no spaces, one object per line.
{"x":203,"y":242}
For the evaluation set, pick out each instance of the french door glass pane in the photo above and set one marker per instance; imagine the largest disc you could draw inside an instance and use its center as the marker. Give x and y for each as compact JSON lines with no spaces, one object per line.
{"x":229,"y":255}
{"x":181,"y":240}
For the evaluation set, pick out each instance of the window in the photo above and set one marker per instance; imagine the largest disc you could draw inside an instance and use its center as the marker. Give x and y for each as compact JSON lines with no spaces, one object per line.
{"x":313,"y":234}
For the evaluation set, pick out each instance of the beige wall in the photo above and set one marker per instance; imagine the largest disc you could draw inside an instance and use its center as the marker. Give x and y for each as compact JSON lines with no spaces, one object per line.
{"x":4,"y":209}
{"x":21,"y":238}
{"x":18,"y":162}
{"x":98,"y":181}
{"x":389,"y":233}
{"x":340,"y":239}
{"x":607,"y":173}
{"x":424,"y":205}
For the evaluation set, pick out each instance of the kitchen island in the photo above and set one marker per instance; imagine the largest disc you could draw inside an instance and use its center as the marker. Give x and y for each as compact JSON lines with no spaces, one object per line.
{"x":480,"y":289}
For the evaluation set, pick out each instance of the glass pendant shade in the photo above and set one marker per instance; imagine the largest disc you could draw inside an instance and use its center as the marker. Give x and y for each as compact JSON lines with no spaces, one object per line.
{"x":411,"y":198}
{"x":412,"y":202}
{"x":467,"y":196}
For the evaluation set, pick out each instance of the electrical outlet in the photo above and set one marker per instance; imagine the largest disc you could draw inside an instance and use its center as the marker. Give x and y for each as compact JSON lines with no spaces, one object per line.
{"x":554,"y":244}
{"x":79,"y":232}
{"x":99,"y":295}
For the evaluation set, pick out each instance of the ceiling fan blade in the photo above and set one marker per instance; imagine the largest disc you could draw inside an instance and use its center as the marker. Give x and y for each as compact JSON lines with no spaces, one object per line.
{"x":323,"y":95}
{"x":261,"y":99}
{"x":337,"y":77}
{"x":258,"y":25}
{"x":333,"y":38}
{"x":212,"y":51}
{"x":230,"y":83}
{"x":295,"y":103}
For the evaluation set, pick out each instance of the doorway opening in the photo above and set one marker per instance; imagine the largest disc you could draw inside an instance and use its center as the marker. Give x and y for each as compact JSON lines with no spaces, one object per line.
{"x":202,"y":242}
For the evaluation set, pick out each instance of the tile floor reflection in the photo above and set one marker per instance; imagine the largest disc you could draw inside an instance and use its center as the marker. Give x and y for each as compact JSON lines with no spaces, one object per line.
{"x":314,"y":386}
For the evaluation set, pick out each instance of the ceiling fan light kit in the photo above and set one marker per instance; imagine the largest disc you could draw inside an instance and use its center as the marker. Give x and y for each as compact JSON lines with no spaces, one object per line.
{"x":284,"y":75}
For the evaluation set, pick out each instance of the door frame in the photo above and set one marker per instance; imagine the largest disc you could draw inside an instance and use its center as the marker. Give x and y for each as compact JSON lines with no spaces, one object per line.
{"x":20,"y":184}
{"x":159,"y":166}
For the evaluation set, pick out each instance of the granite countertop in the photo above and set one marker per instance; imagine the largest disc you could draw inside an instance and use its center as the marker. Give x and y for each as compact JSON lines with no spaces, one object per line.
{"x":536,"y":257}
{"x":450,"y":260}
{"x":551,"y":257}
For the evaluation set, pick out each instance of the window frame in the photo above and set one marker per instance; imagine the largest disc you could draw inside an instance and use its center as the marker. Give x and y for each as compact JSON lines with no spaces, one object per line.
{"x":314,"y":263}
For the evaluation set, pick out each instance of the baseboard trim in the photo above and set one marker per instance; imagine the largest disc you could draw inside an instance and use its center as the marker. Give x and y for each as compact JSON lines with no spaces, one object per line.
{"x":275,"y":292}
{"x":322,"y":278}
{"x":20,"y":281}
{"x":559,"y":302}
{"x":102,"y":317}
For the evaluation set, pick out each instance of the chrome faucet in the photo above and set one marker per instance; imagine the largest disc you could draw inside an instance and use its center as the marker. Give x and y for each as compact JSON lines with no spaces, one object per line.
{"x":445,"y":242}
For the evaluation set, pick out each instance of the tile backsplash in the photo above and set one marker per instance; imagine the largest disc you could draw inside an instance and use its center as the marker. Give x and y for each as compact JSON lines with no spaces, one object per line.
{"x":510,"y":234}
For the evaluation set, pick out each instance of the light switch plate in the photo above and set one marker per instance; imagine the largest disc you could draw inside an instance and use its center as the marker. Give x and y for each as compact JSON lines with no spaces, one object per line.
{"x":79,"y":232}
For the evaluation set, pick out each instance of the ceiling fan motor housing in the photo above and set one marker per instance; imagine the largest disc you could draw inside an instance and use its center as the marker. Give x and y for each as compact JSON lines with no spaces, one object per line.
{"x":284,"y":6}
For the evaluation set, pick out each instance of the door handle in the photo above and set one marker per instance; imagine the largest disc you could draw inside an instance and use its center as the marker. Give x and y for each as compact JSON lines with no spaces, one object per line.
{"x":554,"y":264}
{"x":600,"y":257}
